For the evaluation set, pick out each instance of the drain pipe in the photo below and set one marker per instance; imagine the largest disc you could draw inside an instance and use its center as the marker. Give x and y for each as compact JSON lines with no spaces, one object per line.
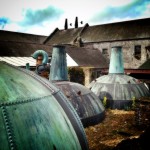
{"x":58,"y":70}
{"x":41,"y":53}
{"x":116,"y":61}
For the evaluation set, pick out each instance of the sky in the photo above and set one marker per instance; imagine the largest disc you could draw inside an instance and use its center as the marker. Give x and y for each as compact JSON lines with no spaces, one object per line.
{"x":42,"y":17}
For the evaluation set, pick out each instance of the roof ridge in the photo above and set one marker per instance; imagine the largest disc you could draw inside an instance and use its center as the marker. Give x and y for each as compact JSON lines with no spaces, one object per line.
{"x":47,"y":38}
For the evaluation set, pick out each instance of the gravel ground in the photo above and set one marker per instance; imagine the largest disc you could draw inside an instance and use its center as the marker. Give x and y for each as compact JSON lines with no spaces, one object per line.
{"x":117,"y":126}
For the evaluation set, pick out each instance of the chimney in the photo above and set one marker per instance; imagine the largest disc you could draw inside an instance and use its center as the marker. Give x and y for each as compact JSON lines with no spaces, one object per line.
{"x":116,"y":61}
{"x":66,"y":24}
{"x":76,"y":22}
{"x":58,"y":70}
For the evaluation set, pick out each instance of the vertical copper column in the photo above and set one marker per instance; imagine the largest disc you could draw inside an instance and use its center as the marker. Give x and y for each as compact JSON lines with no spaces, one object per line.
{"x":58,"y":70}
{"x":116,"y":61}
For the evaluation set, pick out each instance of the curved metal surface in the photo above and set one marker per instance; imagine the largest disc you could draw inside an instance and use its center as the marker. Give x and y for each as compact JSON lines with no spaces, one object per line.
{"x":86,"y":103}
{"x":88,"y":106}
{"x":117,"y":88}
{"x":120,"y":90}
{"x":59,"y":71}
{"x":35,"y":114}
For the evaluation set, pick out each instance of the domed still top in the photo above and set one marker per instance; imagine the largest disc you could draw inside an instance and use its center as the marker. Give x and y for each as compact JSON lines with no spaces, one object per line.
{"x":119,"y":90}
{"x":88,"y":106}
{"x":35,"y":114}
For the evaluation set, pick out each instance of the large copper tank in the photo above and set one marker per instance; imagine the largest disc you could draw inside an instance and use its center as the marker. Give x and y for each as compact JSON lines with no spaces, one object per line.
{"x":35,"y":115}
{"x":119,"y":90}
{"x":88,"y":106}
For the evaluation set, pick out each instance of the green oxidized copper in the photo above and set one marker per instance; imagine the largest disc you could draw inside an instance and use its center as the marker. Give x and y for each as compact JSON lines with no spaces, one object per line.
{"x":116,"y":61}
{"x":59,"y":71}
{"x":42,"y":53}
{"x":117,"y":89}
{"x":90,"y":110}
{"x":27,"y":66}
{"x":35,"y":114}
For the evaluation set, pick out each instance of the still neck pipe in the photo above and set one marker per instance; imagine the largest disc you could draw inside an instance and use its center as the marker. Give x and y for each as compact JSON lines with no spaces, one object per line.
{"x":58,"y":70}
{"x":116,"y":61}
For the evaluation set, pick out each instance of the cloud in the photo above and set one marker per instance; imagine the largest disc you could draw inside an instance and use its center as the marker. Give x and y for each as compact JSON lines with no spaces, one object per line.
{"x":132,"y":10}
{"x":3,"y":22}
{"x":39,"y":16}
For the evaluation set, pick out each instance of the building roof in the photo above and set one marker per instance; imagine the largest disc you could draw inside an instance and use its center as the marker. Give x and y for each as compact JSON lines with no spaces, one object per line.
{"x":23,"y":45}
{"x":20,"y":44}
{"x":86,"y":57}
{"x":13,"y":44}
{"x":21,"y":49}
{"x":19,"y":61}
{"x":127,"y":30}
{"x":22,"y":61}
{"x":21,"y":37}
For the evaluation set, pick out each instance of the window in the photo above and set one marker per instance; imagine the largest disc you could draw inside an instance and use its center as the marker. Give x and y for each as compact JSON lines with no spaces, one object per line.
{"x":105,"y":51}
{"x":137,"y":52}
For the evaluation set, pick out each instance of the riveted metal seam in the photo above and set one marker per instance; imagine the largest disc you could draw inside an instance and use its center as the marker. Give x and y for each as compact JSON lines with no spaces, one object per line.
{"x":9,"y":129}
{"x":75,"y":113}
{"x":23,"y":101}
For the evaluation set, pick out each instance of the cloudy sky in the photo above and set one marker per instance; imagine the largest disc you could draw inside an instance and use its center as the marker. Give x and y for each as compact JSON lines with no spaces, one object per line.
{"x":43,"y":16}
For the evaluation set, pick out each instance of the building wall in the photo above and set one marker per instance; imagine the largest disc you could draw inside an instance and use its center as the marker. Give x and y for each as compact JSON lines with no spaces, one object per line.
{"x":128,"y":47}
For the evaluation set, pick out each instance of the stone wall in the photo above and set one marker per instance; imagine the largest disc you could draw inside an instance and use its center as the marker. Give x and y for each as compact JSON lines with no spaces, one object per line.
{"x":128,"y":48}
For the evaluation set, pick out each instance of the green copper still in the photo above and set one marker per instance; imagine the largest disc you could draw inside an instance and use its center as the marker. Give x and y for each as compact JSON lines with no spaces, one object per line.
{"x":59,"y":71}
{"x":35,"y":115}
{"x":118,"y":89}
{"x":88,"y":106}
{"x":116,"y":60}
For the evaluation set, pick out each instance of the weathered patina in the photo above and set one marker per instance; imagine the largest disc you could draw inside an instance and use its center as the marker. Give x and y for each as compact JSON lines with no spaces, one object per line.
{"x":34,"y":114}
{"x":116,"y":88}
{"x":88,"y":106}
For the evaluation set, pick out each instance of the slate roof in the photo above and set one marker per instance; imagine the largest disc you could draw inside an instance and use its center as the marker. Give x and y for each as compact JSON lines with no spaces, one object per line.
{"x":21,"y":49}
{"x":21,"y":37}
{"x":87,"y":57}
{"x":13,"y":44}
{"x":127,"y":30}
{"x":20,"y":44}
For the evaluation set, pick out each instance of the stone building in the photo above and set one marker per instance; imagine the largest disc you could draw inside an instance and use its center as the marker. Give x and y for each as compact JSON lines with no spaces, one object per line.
{"x":89,"y":46}
{"x":133,"y":36}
